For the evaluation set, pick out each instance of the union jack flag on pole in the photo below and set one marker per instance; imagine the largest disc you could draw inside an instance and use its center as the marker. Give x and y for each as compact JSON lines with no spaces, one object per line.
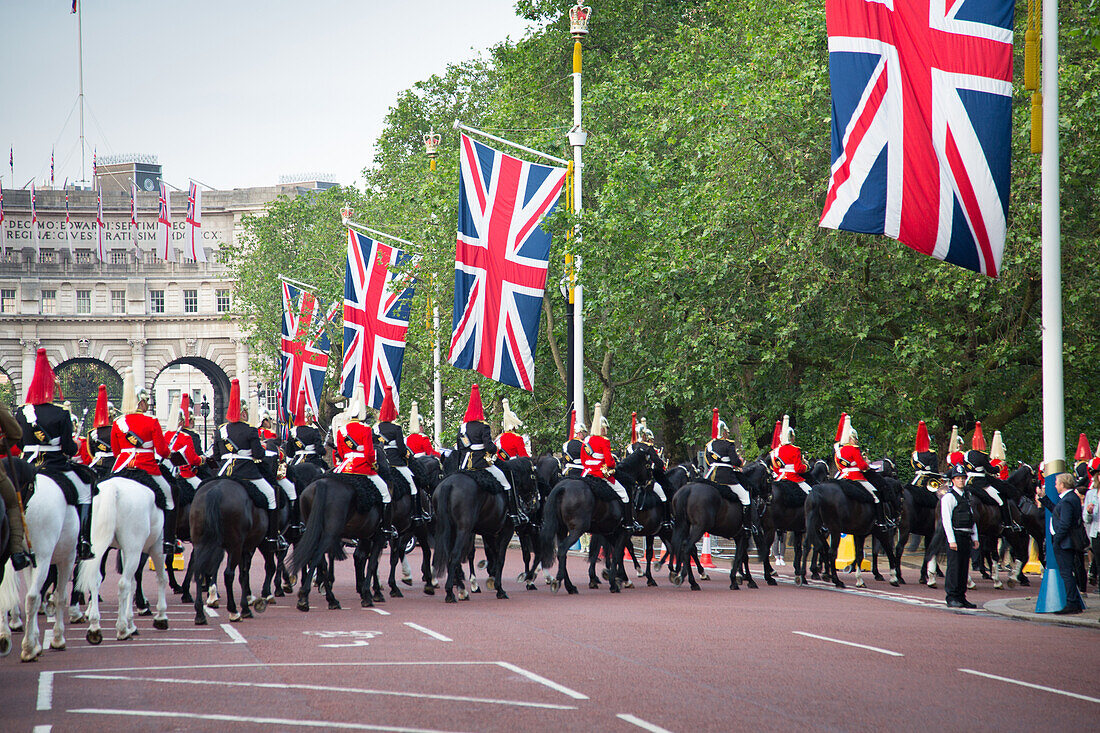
{"x":305,"y":348}
{"x":194,"y":249}
{"x":376,"y":318}
{"x":500,"y":262}
{"x":921,"y":124}
{"x":164,"y":224}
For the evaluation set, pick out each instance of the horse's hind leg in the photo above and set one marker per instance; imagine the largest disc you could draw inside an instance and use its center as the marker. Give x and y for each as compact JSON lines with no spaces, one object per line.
{"x":200,"y":613}
{"x":244,"y":573}
{"x":563,"y":572}
{"x":124,"y":625}
{"x":304,"y":586}
{"x":829,"y":560}
{"x":232,"y":561}
{"x":649,"y":581}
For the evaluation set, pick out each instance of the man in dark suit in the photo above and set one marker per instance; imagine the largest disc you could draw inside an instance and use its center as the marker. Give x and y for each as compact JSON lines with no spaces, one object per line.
{"x":1066,"y":528}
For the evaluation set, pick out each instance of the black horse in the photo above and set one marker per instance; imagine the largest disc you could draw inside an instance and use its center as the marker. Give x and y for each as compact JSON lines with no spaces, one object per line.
{"x":579,"y":505}
{"x":547,"y":475}
{"x":226,"y":522}
{"x":469,"y":503}
{"x":830,"y":507}
{"x":427,"y":473}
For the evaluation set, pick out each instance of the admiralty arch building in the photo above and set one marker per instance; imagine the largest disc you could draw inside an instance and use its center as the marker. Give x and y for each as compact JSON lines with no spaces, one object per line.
{"x":171,"y":322}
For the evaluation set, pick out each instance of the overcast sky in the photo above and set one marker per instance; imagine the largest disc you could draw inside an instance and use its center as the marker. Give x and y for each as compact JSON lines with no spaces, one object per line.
{"x":232,"y":93}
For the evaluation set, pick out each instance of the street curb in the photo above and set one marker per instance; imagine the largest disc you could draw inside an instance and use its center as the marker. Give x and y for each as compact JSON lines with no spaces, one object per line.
{"x":1001,"y":607}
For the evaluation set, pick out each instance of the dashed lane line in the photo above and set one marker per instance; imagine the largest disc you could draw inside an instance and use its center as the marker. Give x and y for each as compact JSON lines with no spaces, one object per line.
{"x":543,"y":681}
{"x":850,"y":643}
{"x":643,"y":724}
{"x":429,"y":632}
{"x":281,"y":722}
{"x":233,"y":634}
{"x":1032,"y":685}
{"x":329,"y":688}
{"x":381,"y":611}
{"x":45,"y":690}
{"x":42,"y":729}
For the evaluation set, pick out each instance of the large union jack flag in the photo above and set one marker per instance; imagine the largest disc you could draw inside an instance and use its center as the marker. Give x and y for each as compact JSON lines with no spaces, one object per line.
{"x":921,"y":124}
{"x":376,"y":317}
{"x":500,"y":262}
{"x":305,"y":349}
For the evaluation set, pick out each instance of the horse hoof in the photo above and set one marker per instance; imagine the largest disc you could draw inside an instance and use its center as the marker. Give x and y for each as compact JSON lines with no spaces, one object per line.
{"x":799,"y":580}
{"x":771,"y":581}
{"x":651,"y":583}
{"x":604,"y":574}
{"x":555,"y":586}
{"x":839,"y":584}
{"x":481,"y":564}
{"x":259,"y":605}
{"x":145,"y":611}
{"x":815,"y":576}
{"x":57,"y":646}
{"x":657,"y":567}
{"x":751,"y":583}
{"x":160,"y":624}
{"x":502,"y":595}
{"x":79,"y":618}
{"x":998,"y":585}
{"x":521,"y":577}
{"x":199,"y":621}
{"x":894,"y":583}
{"x":450,"y":599}
{"x":639,"y":574}
{"x":931,"y":584}
{"x":246,"y":612}
{"x":696,"y":586}
{"x":279,"y":593}
{"x":407,"y":581}
{"x":377,"y":597}
{"x":303,"y":606}
{"x":733,"y":586}
{"x":212,"y":603}
{"x":491,"y":583}
{"x":1025,"y":581}
{"x":593,"y":584}
{"x":615,"y":589}
{"x":703,"y":576}
{"x":334,"y":605}
{"x":572,"y":591}
{"x":123,"y":635}
{"x":395,"y":592}
{"x":860,"y":583}
{"x":475,"y":589}
{"x":1011,"y":582}
{"x":628,"y":583}
{"x":532,"y":586}
{"x":234,"y":618}
{"x":901,"y":580}
{"x":26,"y":656}
{"x":186,"y":598}
{"x":878,"y":577}
{"x":969,"y":584}
{"x":429,"y":590}
{"x":366,"y":603}
{"x":5,"y":646}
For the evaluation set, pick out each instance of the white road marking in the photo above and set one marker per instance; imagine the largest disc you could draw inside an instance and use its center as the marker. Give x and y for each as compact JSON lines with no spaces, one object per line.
{"x":283,"y":722}
{"x":234,"y":634}
{"x":850,"y":643}
{"x":644,"y":724}
{"x":42,"y":729}
{"x":45,"y":690}
{"x":271,"y":664}
{"x":211,"y":613}
{"x":381,"y":612}
{"x":328,"y":688}
{"x":1032,"y":685}
{"x":884,"y":595}
{"x":543,"y":681}
{"x":429,"y":632}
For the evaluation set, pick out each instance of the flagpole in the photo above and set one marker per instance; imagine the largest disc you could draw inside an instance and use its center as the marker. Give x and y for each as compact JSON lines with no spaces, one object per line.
{"x":356,"y":225}
{"x":560,"y":161}
{"x":1052,"y":594}
{"x":80,"y":67}
{"x":431,"y":146}
{"x":578,"y":27}
{"x":299,"y":283}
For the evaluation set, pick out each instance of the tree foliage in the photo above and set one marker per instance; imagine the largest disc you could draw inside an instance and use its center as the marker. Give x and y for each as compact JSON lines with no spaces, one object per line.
{"x":708,"y":282}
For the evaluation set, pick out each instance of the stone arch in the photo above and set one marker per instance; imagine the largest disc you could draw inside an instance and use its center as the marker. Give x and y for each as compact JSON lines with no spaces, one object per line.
{"x":82,"y":389}
{"x":9,"y":383}
{"x":219,"y":381}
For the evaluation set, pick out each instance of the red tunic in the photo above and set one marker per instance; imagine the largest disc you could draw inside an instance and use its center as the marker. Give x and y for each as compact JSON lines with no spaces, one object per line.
{"x":788,"y":463}
{"x":850,"y":462}
{"x":83,"y":455}
{"x":1002,"y":469}
{"x":355,"y":447}
{"x":182,"y":443}
{"x":513,"y":445}
{"x":596,"y":456}
{"x":955,"y":458}
{"x":266,"y":434}
{"x":420,"y":445}
{"x":138,"y":442}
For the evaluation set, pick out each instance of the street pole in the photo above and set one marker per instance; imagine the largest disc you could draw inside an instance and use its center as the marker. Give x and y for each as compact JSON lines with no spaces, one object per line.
{"x":431,"y":146}
{"x":578,"y":27}
{"x":1052,"y":594}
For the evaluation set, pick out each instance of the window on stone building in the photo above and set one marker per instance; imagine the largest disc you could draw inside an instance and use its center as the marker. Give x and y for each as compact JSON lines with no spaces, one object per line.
{"x":83,"y":302}
{"x":118,"y":302}
{"x":49,"y":302}
{"x":222,"y":295}
{"x":84,"y":257}
{"x":190,"y":301}
{"x":47,"y":255}
{"x":7,"y":300}
{"x":156,"y":301}
{"x":119,"y":256}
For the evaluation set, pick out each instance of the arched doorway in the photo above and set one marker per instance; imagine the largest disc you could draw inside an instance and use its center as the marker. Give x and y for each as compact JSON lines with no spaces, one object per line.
{"x":79,"y":379}
{"x":204,"y":381}
{"x":7,"y":391}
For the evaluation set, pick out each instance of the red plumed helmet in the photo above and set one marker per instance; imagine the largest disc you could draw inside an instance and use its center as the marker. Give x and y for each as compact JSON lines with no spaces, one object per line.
{"x":1083,"y":451}
{"x":300,"y":409}
{"x":102,"y":416}
{"x":233,"y":411}
{"x":388,"y":411}
{"x":978,"y":441}
{"x":474,"y":411}
{"x":714,"y":424}
{"x":924,"y":443}
{"x":185,"y":409}
{"x":840,"y":427}
{"x":572,"y":424}
{"x":43,"y":383}
{"x":633,"y":428}
{"x":776,"y":433}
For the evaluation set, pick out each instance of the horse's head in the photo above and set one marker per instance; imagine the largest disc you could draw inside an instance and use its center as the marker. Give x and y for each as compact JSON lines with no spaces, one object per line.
{"x":525,"y":480}
{"x":431,"y":471}
{"x":1023,"y":479}
{"x":819,"y":471}
{"x":885,"y":468}
{"x":754,"y":477}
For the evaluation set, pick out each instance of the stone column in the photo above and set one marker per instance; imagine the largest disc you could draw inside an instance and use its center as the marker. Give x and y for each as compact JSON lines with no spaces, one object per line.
{"x":30,"y":352}
{"x":242,"y":373}
{"x":137,"y":361}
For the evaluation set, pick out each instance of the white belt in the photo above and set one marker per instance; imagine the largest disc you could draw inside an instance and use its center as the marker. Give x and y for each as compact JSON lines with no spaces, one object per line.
{"x":975,"y":475}
{"x":306,"y":452}
{"x":101,"y":456}
{"x":420,"y":455}
{"x":355,"y":454}
{"x":477,"y":446}
{"x":42,"y":448}
{"x":723,"y":459}
{"x":598,"y":456}
{"x":137,"y":451}
{"x":238,"y":456}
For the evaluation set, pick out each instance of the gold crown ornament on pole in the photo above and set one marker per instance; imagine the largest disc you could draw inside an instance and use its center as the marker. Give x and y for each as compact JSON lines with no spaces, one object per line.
{"x":578,"y":20}
{"x":431,"y":147}
{"x":346,"y":212}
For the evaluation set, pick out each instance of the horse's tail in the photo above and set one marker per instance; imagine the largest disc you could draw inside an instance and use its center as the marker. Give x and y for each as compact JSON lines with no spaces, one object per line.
{"x":444,"y":530}
{"x":104,"y":523}
{"x":316,"y":541}
{"x":207,"y":551}
{"x":551,"y":522}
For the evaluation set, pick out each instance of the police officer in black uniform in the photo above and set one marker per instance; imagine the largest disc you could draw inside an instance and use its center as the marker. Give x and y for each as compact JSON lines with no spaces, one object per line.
{"x":961,"y":530}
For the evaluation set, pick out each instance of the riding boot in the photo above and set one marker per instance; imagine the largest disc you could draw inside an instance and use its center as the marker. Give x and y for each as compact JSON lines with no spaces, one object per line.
{"x":880,"y":517}
{"x":1009,"y":523}
{"x":425,"y":506}
{"x":170,"y":532}
{"x":273,"y":535}
{"x":629,"y":524}
{"x":84,"y":542}
{"x":754,"y":520}
{"x":295,"y":528}
{"x":387,"y":527}
{"x":518,"y":517}
{"x":667,"y":524}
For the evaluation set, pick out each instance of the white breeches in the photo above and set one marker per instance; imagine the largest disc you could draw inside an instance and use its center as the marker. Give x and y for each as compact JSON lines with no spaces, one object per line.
{"x":499,"y":476}
{"x":192,"y":481}
{"x":265,"y":489}
{"x":83,"y":490}
{"x":804,"y":486}
{"x":288,"y":489}
{"x":659,"y":492}
{"x":992,"y":492}
{"x":165,"y":491}
{"x":871,"y":489}
{"x":408,"y":474}
{"x":742,"y":493}
{"x":620,"y":490}
{"x":381,"y":486}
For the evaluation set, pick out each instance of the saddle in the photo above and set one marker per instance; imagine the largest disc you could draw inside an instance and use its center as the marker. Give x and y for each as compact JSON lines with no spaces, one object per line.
{"x":601,"y":489}
{"x":485,"y":481}
{"x":981,"y":495}
{"x":399,"y":484}
{"x":187,"y":493}
{"x":143,"y":478}
{"x":854,"y":492}
{"x":923,"y":498}
{"x":789,"y":495}
{"x":366,"y":493}
{"x":723,"y":491}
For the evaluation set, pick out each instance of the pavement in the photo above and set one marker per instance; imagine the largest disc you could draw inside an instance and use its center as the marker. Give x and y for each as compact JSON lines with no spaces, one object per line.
{"x":650,"y":658}
{"x":1024,"y":608}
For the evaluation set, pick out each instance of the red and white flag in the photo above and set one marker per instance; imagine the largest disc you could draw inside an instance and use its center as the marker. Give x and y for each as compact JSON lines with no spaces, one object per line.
{"x":164,"y":224}
{"x":34,"y":221}
{"x":68,"y":227}
{"x":133,"y":218}
{"x":101,"y":249}
{"x":194,"y":249}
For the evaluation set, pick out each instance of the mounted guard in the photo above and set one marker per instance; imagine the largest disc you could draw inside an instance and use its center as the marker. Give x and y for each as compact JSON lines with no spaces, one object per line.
{"x":851,"y":467}
{"x":391,"y":439}
{"x":183,"y":449}
{"x":48,"y":444}
{"x":10,"y":435}
{"x":721,"y":461}
{"x":599,"y":462}
{"x":305,"y":443}
{"x":419,"y":443}
{"x":982,"y":476}
{"x":786,"y":458}
{"x":641,"y":436}
{"x":925,"y":461}
{"x":956,"y":456}
{"x":99,"y":437}
{"x":512,"y":444}
{"x":572,"y":450}
{"x":355,"y":449}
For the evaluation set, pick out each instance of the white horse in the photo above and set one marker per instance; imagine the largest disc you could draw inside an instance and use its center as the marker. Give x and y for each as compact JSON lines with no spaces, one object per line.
{"x":124,"y":515}
{"x":52,"y":528}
